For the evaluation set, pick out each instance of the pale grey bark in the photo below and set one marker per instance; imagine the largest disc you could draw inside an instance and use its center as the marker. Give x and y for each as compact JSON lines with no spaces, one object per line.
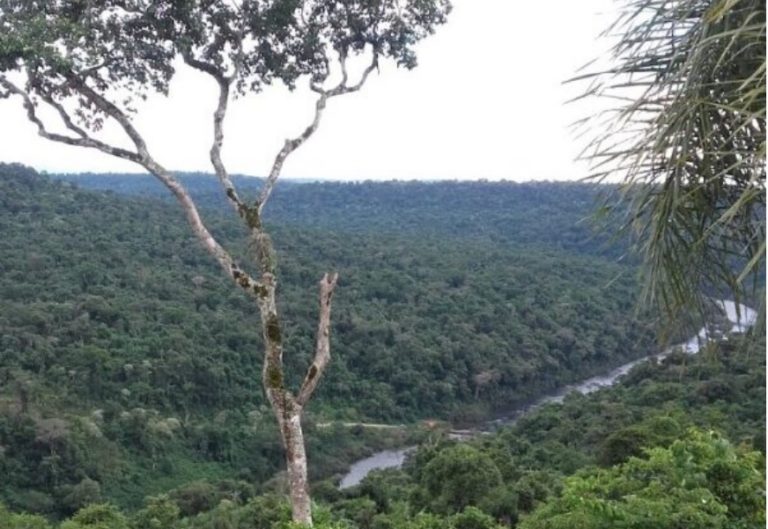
{"x":82,"y":140}
{"x":287,"y":407}
{"x":224,"y":83}
{"x":291,"y":145}
{"x":322,"y":345}
{"x":298,"y":484}
{"x":140,"y":156}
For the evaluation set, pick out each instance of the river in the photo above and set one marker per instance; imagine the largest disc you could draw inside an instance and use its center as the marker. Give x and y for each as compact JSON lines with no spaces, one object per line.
{"x":740,"y":320}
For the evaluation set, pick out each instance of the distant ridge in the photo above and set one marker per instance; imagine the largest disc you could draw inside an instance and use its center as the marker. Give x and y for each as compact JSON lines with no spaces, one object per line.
{"x":499,"y":212}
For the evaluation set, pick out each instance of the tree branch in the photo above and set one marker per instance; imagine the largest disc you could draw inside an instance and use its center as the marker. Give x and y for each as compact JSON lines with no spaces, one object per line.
{"x":203,"y":66}
{"x":293,"y":144}
{"x":322,"y":346}
{"x":343,"y":88}
{"x":111,"y":110}
{"x":243,"y":279}
{"x":83,"y":139}
{"x":273,"y":377}
{"x":290,"y":146}
{"x":238,"y":275}
{"x":65,"y":117}
{"x":225,"y":83}
{"x":218,"y":140}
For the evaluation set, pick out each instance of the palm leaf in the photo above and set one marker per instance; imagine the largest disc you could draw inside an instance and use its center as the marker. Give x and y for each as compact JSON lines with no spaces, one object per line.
{"x":686,"y":140}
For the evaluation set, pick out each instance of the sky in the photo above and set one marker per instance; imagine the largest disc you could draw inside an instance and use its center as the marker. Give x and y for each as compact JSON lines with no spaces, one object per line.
{"x":487,"y":101}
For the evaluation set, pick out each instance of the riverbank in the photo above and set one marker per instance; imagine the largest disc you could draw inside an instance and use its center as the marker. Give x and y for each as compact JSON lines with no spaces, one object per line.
{"x":740,"y":317}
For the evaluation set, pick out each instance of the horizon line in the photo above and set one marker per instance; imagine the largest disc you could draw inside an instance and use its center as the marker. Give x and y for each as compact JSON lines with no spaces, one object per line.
{"x":322,"y":180}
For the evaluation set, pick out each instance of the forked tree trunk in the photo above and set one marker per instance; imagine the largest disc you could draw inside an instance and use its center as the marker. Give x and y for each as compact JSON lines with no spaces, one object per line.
{"x":287,"y":406}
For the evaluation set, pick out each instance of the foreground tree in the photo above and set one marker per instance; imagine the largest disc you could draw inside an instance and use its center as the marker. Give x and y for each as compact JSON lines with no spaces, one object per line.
{"x":699,"y":482}
{"x":687,"y":140}
{"x":87,"y":63}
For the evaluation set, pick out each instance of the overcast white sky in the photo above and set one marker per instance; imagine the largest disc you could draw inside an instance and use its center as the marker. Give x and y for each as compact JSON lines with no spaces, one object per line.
{"x":486,"y":101}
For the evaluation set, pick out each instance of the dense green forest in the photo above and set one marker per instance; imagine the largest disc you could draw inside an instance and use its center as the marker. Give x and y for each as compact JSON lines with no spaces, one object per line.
{"x":130,"y":390}
{"x":546,"y":215}
{"x":119,"y":337}
{"x":418,"y":319}
{"x":646,"y":453}
{"x":677,"y":444}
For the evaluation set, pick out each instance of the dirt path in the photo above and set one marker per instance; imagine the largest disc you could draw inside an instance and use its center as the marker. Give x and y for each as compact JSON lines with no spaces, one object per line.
{"x":372,"y":425}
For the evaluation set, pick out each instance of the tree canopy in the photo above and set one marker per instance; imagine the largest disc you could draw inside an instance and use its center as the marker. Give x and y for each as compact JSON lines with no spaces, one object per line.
{"x":700,"y":481}
{"x":68,"y":47}
{"x":120,"y":338}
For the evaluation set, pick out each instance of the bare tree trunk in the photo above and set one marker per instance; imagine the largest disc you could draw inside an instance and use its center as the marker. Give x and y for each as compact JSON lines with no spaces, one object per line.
{"x":287,"y":406}
{"x":292,"y":435}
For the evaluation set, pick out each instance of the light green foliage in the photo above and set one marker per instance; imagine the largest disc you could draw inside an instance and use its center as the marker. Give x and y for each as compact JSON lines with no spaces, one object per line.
{"x":473,"y":518}
{"x":268,"y":511}
{"x":664,"y":486}
{"x":86,"y":492}
{"x":630,"y":441}
{"x":699,"y":482}
{"x":322,"y":519}
{"x":655,"y":403}
{"x":160,"y":512}
{"x":533,"y":486}
{"x":360,"y":511}
{"x":424,"y":521}
{"x":459,"y":476}
{"x":97,"y":516}
{"x":501,"y":503}
{"x":10,"y":520}
{"x":195,"y":497}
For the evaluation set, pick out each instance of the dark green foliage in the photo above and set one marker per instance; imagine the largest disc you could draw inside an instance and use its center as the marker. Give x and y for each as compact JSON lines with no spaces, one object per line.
{"x":652,"y":409}
{"x":131,"y":368}
{"x":473,"y":518}
{"x":397,"y":308}
{"x":519,"y":478}
{"x":631,"y":440}
{"x":541,"y":214}
{"x":194,"y":498}
{"x":84,"y":493}
{"x":97,"y":516}
{"x":159,"y":512}
{"x":135,"y":46}
{"x":457,"y":477}
{"x":130,"y":362}
{"x":10,"y":520}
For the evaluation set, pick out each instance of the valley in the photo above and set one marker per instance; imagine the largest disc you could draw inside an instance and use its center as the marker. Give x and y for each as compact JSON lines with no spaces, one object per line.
{"x":131,"y":369}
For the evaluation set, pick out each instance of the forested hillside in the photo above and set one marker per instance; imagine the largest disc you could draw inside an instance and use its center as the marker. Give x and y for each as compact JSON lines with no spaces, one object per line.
{"x":546,"y":215}
{"x":121,"y":340}
{"x":677,"y":444}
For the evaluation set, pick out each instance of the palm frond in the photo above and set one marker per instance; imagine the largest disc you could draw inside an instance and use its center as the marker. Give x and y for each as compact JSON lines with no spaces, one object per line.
{"x":687,"y":143}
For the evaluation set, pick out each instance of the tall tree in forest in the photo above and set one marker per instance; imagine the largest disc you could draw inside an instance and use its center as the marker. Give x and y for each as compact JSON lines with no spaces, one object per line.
{"x":87,"y":63}
{"x":687,"y":140}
